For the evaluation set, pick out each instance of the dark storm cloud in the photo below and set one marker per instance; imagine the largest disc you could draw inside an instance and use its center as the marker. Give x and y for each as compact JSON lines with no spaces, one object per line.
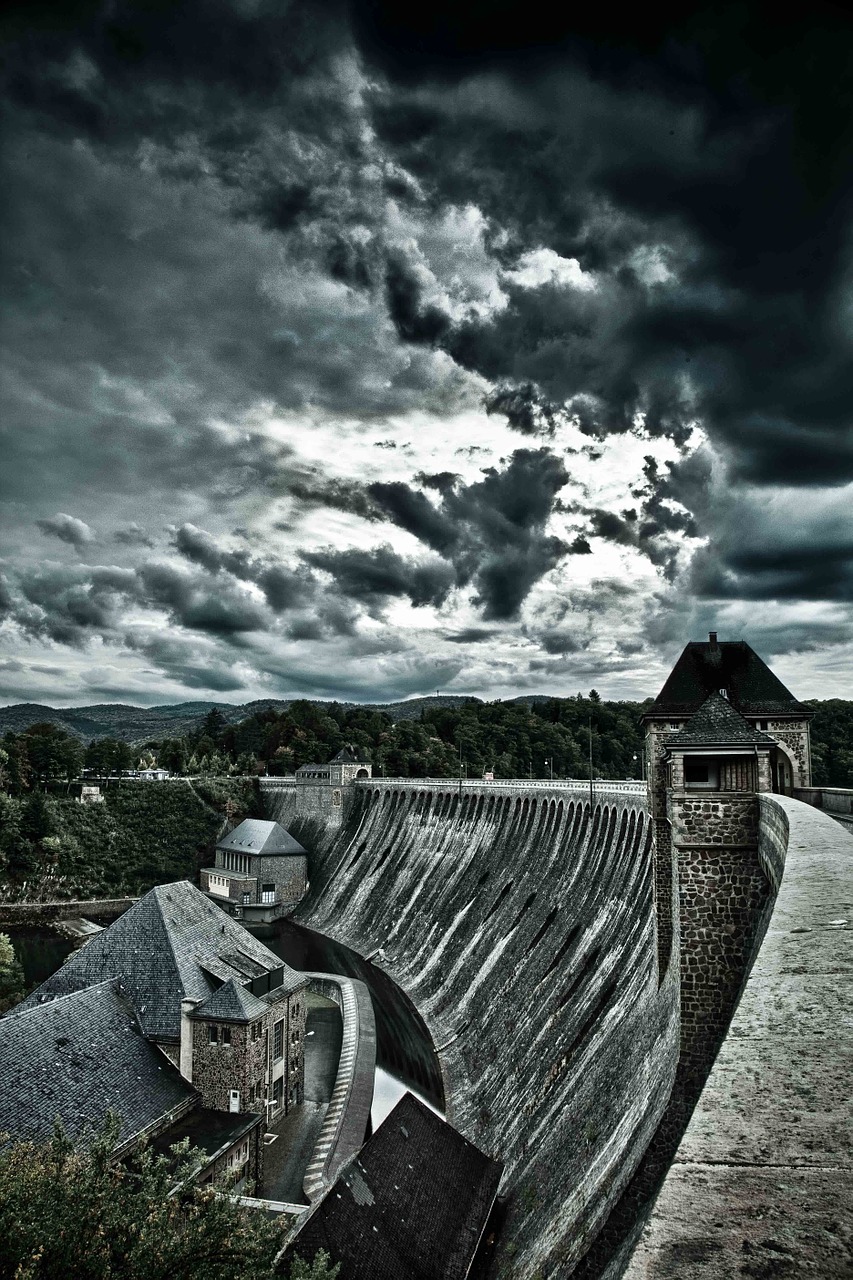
{"x":219,"y":608}
{"x":380,"y":572}
{"x":470,"y":635}
{"x":708,"y":185}
{"x":71,"y":603}
{"x":67,"y":529}
{"x":492,"y":531}
{"x":182,"y":661}
{"x":816,"y":572}
{"x":524,"y":408}
{"x":283,"y":587}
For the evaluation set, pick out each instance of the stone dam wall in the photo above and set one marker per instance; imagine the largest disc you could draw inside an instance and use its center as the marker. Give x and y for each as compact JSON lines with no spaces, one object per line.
{"x":521,"y":922}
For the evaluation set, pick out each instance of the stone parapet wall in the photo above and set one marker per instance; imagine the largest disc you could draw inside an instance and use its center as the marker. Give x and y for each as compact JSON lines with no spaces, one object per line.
{"x":833,"y":800}
{"x":772,"y":839}
{"x":702,"y":818}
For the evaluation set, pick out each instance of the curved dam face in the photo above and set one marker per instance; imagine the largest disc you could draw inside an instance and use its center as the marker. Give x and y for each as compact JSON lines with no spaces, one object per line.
{"x":521,"y":924}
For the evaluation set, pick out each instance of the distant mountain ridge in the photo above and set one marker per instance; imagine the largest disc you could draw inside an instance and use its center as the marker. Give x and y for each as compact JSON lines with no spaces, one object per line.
{"x":137,"y":725}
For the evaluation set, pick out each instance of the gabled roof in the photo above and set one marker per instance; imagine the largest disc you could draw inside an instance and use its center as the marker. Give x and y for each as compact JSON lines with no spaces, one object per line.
{"x":172,"y":944}
{"x":231,"y":1003}
{"x":707,"y":666}
{"x":717,"y":724}
{"x":75,"y":1058}
{"x":348,"y":755}
{"x":257,"y":836}
{"x":413,"y":1204}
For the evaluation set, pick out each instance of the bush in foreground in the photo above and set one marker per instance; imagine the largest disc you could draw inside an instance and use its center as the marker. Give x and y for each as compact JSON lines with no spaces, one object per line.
{"x":81,"y":1216}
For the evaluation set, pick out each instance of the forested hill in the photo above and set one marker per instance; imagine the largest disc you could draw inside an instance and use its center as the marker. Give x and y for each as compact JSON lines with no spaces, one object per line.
{"x":139,"y":725}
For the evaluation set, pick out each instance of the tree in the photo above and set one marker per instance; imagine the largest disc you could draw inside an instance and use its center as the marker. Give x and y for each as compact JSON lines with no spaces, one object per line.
{"x":36,"y":817}
{"x":320,"y":1269}
{"x":107,"y":756}
{"x":82,"y":1216}
{"x":12,"y":982}
{"x":213,"y":726}
{"x":52,"y":752}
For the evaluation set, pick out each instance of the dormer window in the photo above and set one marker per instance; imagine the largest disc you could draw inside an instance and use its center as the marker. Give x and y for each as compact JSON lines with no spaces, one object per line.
{"x":724,"y":693}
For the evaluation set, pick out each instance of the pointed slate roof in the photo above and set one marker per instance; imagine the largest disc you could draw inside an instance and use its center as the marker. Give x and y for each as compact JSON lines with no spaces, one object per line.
{"x":231,"y":1003}
{"x":717,"y":724}
{"x":171,"y":945}
{"x":707,"y":666}
{"x":411,"y":1206}
{"x":76,"y":1057}
{"x":348,"y":755}
{"x":257,"y":836}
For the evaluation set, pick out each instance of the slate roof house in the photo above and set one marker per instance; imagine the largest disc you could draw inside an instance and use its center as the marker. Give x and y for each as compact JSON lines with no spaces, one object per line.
{"x":414,"y":1204}
{"x":259,"y":872}
{"x":189,"y":994}
{"x":722,"y":697}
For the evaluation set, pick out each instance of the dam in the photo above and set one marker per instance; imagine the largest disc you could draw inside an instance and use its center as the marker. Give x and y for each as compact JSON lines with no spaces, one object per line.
{"x":577,"y":950}
{"x":519,"y":919}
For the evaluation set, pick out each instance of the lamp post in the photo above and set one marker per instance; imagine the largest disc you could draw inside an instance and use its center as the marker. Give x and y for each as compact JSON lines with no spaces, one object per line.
{"x":551,"y":763}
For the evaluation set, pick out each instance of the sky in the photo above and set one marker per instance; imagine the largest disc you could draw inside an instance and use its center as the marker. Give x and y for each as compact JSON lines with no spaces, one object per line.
{"x":364,"y":350}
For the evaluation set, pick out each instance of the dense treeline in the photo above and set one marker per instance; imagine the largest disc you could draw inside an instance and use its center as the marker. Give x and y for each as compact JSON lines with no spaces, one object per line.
{"x":519,"y":738}
{"x":832,"y":743}
{"x":514,"y":739}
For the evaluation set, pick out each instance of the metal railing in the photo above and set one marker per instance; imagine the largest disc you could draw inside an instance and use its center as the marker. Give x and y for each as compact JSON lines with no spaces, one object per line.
{"x":623,"y":786}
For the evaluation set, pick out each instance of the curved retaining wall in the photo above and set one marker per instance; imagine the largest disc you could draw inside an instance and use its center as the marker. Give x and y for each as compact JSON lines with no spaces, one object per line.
{"x":346,"y":1121}
{"x":521,"y":922}
{"x":762,"y":1181}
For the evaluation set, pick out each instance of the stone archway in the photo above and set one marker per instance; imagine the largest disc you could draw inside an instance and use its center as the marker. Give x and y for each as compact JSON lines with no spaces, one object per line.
{"x":784,"y":770}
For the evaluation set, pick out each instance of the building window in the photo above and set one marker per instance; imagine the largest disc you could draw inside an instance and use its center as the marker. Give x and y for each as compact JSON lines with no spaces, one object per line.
{"x":695,"y":772}
{"x":268,"y":893}
{"x":256,"y":1030}
{"x":278,"y":1041}
{"x":277,"y":1093}
{"x":213,"y":1031}
{"x":247,"y":898}
{"x":226,"y":1035}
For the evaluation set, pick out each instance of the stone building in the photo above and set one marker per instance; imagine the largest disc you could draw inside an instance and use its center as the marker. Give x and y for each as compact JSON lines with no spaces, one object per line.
{"x":74,"y":1058}
{"x":735,"y":672}
{"x":222,"y":1007}
{"x":722,"y":730}
{"x":259,"y":872}
{"x":320,"y":787}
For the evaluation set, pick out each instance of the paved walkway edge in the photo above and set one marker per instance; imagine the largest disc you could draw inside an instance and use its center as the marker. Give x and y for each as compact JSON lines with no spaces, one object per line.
{"x":345,"y":1124}
{"x":762,"y":1182}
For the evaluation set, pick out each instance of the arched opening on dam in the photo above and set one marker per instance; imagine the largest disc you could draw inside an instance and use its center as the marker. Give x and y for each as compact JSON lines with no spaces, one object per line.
{"x":404,"y":1049}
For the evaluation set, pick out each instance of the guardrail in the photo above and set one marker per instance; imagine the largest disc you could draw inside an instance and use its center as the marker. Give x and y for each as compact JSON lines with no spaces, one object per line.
{"x":625,"y":787}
